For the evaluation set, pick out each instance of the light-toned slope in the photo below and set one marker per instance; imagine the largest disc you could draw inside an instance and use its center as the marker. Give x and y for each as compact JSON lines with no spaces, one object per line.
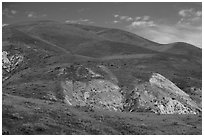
{"x":162,"y":96}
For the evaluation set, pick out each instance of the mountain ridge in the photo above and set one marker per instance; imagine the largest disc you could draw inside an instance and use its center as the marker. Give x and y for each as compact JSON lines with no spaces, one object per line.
{"x":86,"y":27}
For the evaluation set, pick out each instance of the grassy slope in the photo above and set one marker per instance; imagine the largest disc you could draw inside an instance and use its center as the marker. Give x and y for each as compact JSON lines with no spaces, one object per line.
{"x":33,"y":116}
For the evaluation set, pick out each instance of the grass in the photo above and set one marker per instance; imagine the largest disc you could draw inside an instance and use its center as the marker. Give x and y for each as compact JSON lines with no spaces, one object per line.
{"x":34,"y":116}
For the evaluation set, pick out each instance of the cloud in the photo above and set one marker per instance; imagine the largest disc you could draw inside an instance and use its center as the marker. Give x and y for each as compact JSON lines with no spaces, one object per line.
{"x":137,"y":18}
{"x":79,"y":21}
{"x":167,"y":33}
{"x":198,"y":13}
{"x":123,"y":18}
{"x":144,"y":18}
{"x":13,"y":11}
{"x":185,"y":12}
{"x":126,"y":18}
{"x":189,"y":12}
{"x":71,"y":21}
{"x":32,"y":14}
{"x":84,"y":20}
{"x":115,"y":21}
{"x":3,"y":25}
{"x":9,"y":13}
{"x":116,"y":15}
{"x":190,"y":16}
{"x":142,"y":21}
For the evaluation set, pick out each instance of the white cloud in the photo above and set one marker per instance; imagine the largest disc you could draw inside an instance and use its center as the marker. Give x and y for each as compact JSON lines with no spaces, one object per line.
{"x":79,"y":21}
{"x":71,"y":21}
{"x":84,"y":20}
{"x":189,"y":12}
{"x":13,"y":11}
{"x":143,"y":18}
{"x":124,"y":18}
{"x":32,"y":14}
{"x":143,"y":23}
{"x":9,"y":13}
{"x":137,"y":18}
{"x":3,"y":25}
{"x":198,"y":13}
{"x":185,"y":12}
{"x":116,"y":15}
{"x":115,"y":21}
{"x":129,"y":19}
{"x":190,"y":16}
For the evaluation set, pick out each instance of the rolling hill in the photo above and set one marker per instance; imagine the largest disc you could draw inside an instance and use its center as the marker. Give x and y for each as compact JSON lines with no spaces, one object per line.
{"x":61,"y":78}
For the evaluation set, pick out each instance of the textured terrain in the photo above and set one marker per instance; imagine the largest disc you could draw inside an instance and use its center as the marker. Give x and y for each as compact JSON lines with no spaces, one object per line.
{"x":76,"y":79}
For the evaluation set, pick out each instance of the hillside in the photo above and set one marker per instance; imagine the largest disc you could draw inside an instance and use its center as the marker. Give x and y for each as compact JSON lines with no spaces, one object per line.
{"x":63,"y":78}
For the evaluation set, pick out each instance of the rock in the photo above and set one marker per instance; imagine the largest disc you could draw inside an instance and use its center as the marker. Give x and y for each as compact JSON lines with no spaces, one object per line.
{"x":16,"y":116}
{"x":5,"y":132}
{"x":93,"y":74}
{"x":97,"y":93}
{"x":84,"y":87}
{"x":162,"y":82}
{"x":51,"y":97}
{"x":85,"y":72}
{"x":104,"y":93}
{"x":174,"y":107}
{"x":160,"y":95}
{"x":62,"y":71}
{"x":10,"y":63}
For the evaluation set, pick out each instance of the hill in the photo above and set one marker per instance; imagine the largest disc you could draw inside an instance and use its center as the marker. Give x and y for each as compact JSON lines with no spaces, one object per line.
{"x":91,"y":73}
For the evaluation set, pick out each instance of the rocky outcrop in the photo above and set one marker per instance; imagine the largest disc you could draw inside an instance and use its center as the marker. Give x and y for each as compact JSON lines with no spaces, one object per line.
{"x":10,"y":62}
{"x":161,"y":96}
{"x":84,"y":87}
{"x":174,"y":92}
{"x":97,"y":93}
{"x":163,"y":83}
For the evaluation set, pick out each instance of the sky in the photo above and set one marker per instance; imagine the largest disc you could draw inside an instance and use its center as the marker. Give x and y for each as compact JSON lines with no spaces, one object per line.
{"x":160,"y":22}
